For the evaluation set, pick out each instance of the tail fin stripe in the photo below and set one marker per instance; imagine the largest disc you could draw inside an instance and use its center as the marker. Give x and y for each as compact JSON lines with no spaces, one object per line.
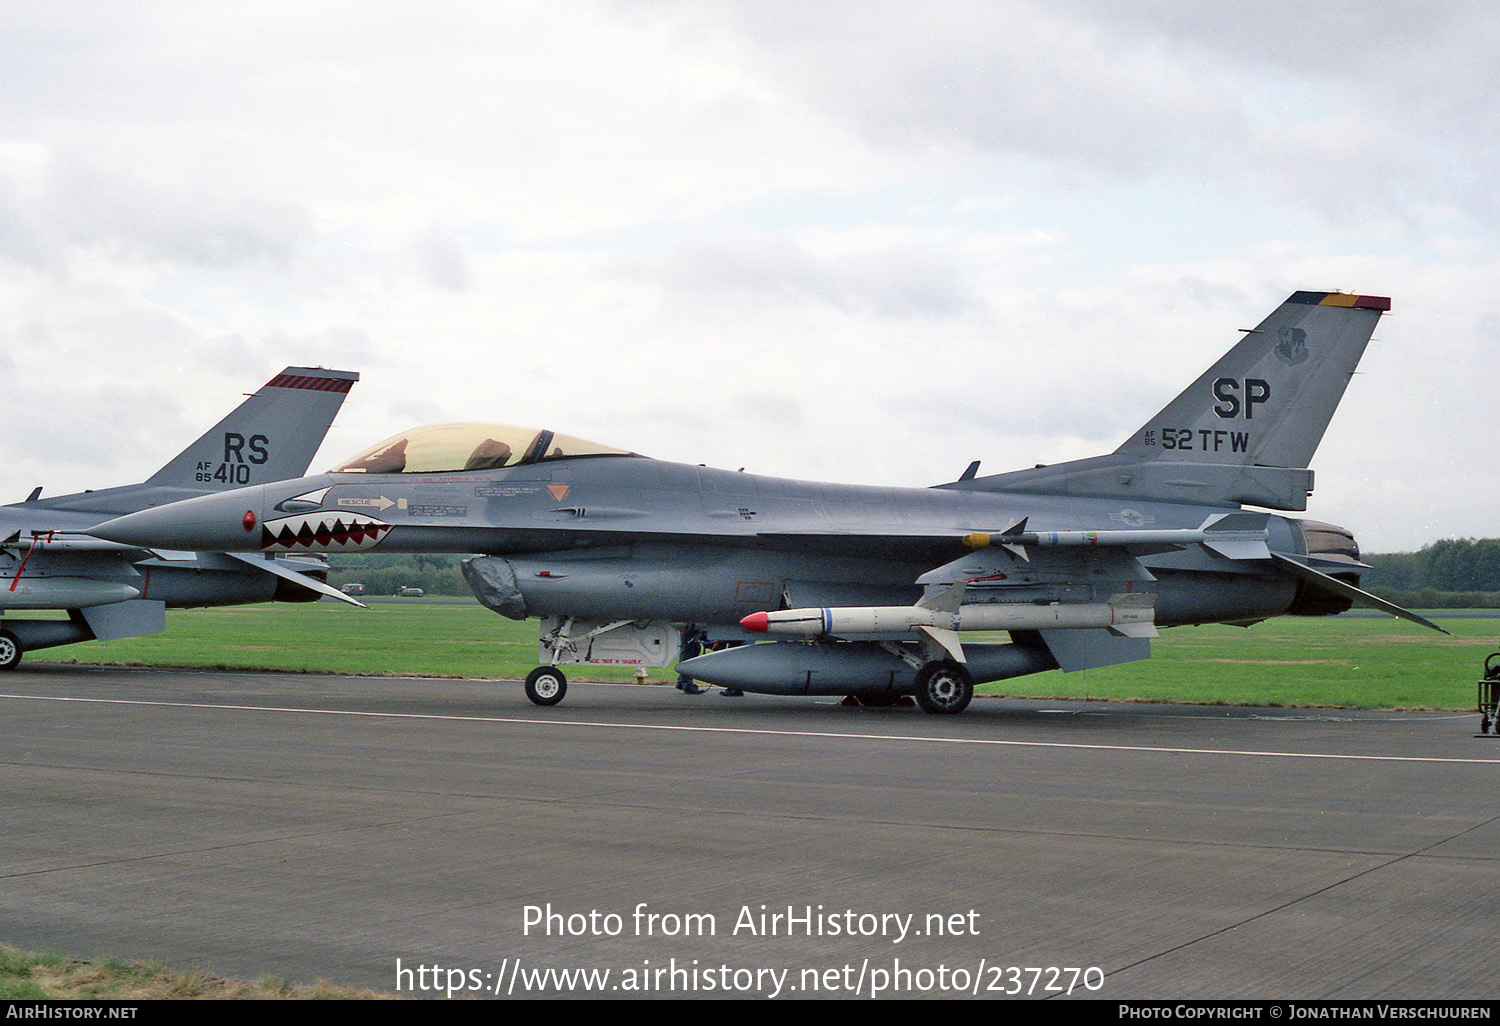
{"x":1340,"y":299}
{"x":317,"y":384}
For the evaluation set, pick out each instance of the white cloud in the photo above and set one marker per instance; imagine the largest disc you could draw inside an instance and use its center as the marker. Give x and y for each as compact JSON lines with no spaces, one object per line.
{"x":898,"y":280}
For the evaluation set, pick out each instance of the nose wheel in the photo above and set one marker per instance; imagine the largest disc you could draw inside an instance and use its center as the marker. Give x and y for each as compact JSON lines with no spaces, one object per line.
{"x":546,"y":685}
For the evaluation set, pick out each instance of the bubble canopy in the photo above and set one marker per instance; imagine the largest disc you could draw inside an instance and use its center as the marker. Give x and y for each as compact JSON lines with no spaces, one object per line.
{"x":460,"y":448}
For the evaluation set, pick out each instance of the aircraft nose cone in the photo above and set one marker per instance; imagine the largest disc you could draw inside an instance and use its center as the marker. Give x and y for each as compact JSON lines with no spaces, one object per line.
{"x":225,"y":523}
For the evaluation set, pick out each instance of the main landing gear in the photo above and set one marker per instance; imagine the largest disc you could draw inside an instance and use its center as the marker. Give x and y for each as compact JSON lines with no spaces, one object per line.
{"x":944,"y":686}
{"x":10,"y":651}
{"x":546,"y":685}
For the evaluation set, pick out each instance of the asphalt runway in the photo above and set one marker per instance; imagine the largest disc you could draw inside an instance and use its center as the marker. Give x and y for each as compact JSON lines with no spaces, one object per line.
{"x":387,"y":832}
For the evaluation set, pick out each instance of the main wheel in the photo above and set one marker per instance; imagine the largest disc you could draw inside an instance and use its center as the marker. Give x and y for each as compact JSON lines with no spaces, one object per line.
{"x":546,"y":685}
{"x":944,"y":687}
{"x":10,"y":651}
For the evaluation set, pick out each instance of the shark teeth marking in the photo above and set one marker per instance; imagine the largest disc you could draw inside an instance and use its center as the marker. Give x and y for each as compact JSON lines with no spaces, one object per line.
{"x":323,"y":531}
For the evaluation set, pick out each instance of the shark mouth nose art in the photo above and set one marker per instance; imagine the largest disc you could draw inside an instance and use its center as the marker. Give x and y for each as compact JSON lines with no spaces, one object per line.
{"x":323,"y":531}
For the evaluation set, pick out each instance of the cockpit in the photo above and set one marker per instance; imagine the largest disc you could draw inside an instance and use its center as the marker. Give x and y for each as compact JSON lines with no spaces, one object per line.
{"x":460,"y":448}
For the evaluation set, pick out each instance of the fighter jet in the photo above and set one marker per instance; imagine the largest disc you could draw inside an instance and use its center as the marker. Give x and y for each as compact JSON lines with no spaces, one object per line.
{"x":111,"y":590}
{"x":798,"y":588}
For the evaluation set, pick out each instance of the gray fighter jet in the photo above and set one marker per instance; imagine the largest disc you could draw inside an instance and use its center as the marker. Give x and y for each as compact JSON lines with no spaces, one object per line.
{"x":118,"y":591}
{"x":851,"y":590}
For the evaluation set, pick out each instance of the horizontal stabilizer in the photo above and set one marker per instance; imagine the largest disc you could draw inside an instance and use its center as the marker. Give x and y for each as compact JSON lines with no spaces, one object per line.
{"x":270,"y":566}
{"x":1349,"y":591}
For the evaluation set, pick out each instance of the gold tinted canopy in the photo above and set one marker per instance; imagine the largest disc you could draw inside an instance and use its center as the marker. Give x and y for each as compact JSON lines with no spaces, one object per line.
{"x":458,"y":448}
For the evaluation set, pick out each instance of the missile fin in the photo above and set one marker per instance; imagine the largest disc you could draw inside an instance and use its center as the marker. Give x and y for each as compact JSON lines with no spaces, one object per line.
{"x":940,"y":640}
{"x":946,"y":601}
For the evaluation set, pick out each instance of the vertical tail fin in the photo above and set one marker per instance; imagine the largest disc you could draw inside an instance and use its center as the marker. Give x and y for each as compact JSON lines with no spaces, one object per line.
{"x":1268,"y":401}
{"x":271,"y":436}
{"x":1246,"y":430}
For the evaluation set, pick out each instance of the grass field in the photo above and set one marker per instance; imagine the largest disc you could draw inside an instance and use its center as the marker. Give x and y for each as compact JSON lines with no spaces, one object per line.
{"x":33,"y":976}
{"x":1345,"y":662}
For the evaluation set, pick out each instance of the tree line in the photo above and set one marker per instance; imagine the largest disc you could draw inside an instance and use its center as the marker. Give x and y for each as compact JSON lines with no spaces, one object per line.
{"x":1454,"y":572}
{"x":1454,"y":564}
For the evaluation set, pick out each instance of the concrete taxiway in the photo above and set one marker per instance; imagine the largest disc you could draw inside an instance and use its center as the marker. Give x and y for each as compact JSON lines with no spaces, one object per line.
{"x":326,"y":827}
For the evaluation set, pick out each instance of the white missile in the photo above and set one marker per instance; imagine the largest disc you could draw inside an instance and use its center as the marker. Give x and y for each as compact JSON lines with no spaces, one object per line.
{"x":1232,"y":535}
{"x":1129,"y":614}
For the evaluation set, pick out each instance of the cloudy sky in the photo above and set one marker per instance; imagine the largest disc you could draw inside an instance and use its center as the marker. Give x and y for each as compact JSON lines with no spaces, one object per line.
{"x":856,"y":241}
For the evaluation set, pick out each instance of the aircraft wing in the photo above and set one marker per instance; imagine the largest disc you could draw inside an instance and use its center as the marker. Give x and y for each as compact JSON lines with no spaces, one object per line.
{"x":1235,"y":537}
{"x":918,"y":546}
